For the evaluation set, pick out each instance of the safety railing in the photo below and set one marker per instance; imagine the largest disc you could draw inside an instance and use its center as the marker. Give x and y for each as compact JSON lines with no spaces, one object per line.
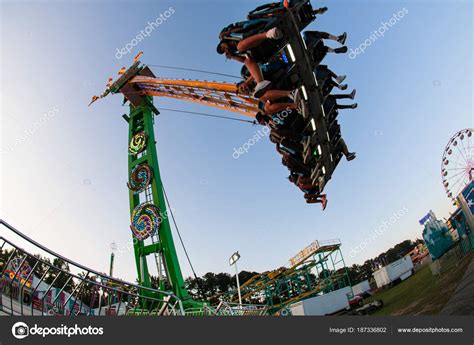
{"x":47,"y":283}
{"x":229,"y":309}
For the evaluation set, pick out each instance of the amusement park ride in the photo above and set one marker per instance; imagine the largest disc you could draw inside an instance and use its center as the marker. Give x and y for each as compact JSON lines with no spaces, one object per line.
{"x":299,"y":56}
{"x":457,"y":167}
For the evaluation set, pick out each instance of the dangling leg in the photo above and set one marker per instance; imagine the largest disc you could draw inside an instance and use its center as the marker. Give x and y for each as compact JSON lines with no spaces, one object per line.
{"x":262,"y":85}
{"x":349,"y":96}
{"x":320,"y":10}
{"x":320,"y":199}
{"x":347,"y":106}
{"x":341,"y":38}
{"x":255,"y":40}
{"x":341,"y":87}
{"x":254,"y":70}
{"x":345,"y":151}
{"x":340,"y":50}
{"x":272,"y":95}
{"x":272,"y":108}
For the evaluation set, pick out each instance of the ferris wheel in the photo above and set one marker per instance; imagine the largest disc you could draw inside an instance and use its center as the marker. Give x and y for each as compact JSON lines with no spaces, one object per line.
{"x":457,"y":167}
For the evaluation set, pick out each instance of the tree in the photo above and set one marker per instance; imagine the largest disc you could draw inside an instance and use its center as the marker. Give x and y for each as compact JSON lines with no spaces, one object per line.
{"x":223,"y":282}
{"x":59,"y":275}
{"x":244,"y":276}
{"x":325,"y":274}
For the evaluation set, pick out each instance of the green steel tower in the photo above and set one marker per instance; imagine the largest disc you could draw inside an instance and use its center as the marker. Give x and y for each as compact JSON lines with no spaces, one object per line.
{"x":150,"y":217}
{"x":150,"y":226}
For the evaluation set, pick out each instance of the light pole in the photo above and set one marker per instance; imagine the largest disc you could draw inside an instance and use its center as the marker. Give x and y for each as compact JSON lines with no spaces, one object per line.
{"x":233,"y":261}
{"x":100,"y":299}
{"x":113,"y":247}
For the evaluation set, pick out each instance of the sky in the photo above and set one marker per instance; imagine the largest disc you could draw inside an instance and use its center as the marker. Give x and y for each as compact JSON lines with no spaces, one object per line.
{"x":64,"y":164}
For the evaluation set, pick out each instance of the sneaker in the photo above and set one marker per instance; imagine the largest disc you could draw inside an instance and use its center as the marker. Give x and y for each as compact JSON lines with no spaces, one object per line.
{"x":324,"y":201}
{"x":320,"y":10}
{"x":351,"y":156}
{"x":342,"y":87}
{"x":274,"y":34}
{"x":340,"y":50}
{"x":340,"y":79}
{"x":352,"y":94}
{"x":261,"y":88}
{"x":353,"y":106}
{"x":342,"y":38}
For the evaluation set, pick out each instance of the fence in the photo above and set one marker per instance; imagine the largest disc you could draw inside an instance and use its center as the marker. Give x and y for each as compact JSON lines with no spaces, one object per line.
{"x":461,"y":249}
{"x":47,"y":283}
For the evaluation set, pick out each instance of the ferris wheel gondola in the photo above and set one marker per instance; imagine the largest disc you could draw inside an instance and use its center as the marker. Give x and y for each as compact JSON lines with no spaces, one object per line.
{"x":457,"y":165}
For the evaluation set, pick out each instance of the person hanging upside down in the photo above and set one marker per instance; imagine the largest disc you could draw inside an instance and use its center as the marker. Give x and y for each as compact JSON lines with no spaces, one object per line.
{"x":316,"y":198}
{"x":317,"y":48}
{"x":240,"y":51}
{"x":345,"y":151}
{"x":342,"y":96}
{"x":320,"y":35}
{"x":283,"y":131}
{"x":311,"y":192}
{"x":294,"y":164}
{"x":330,"y":103}
{"x":323,"y":73}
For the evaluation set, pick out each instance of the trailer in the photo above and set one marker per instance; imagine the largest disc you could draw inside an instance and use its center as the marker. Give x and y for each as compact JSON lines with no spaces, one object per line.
{"x":401,"y":268}
{"x":326,"y":304}
{"x":361,"y":288}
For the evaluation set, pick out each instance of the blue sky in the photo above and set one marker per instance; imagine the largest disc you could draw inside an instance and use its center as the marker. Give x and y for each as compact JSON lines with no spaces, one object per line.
{"x":64,"y":182}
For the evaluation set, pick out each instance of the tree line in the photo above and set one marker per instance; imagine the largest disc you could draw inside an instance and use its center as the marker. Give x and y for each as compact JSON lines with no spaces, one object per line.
{"x":211,"y":284}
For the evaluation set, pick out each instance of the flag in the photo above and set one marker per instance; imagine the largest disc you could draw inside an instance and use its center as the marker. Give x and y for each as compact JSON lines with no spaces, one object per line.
{"x":425,"y":219}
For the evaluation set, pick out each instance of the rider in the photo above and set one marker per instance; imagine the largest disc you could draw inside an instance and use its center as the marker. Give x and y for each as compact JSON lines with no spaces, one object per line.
{"x":274,"y":101}
{"x":240,"y":51}
{"x":311,"y":191}
{"x":345,"y":151}
{"x":330,"y":104}
{"x":318,"y":50}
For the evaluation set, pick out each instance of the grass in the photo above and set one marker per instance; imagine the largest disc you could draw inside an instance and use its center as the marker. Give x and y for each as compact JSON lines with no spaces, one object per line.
{"x":422,"y":293}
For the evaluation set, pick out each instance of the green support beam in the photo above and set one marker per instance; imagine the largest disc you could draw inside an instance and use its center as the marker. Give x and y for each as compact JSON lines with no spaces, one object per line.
{"x":141,"y":119}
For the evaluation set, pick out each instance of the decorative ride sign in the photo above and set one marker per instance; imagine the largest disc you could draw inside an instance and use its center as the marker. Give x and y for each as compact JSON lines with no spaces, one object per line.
{"x":302,"y":255}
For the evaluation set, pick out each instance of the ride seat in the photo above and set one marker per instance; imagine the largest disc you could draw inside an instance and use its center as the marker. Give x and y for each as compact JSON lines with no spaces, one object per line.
{"x":267,"y":10}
